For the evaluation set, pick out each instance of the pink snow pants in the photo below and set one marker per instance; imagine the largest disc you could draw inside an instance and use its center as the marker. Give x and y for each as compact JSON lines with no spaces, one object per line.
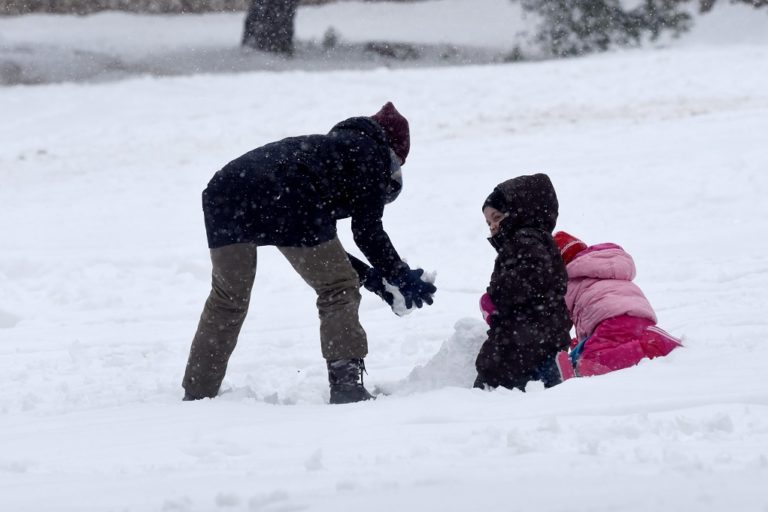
{"x":622,"y":342}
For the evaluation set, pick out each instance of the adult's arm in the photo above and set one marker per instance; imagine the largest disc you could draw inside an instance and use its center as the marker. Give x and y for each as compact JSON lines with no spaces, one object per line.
{"x":360,"y":267}
{"x":373,"y":241}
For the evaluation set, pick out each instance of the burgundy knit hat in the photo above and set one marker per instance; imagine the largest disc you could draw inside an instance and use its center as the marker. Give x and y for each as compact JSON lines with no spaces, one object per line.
{"x":569,"y":245}
{"x":396,"y":128}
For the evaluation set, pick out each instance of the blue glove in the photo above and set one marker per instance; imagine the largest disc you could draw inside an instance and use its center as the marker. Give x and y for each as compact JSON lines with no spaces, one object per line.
{"x":415,"y":290}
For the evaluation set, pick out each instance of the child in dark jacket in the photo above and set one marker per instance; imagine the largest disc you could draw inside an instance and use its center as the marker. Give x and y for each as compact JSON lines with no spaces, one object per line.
{"x":615,"y":323}
{"x":528,"y":317}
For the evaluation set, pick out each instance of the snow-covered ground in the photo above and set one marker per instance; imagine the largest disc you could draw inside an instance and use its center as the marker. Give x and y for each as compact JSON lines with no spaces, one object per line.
{"x":104,"y":270}
{"x":107,"y":46}
{"x":49,"y":48}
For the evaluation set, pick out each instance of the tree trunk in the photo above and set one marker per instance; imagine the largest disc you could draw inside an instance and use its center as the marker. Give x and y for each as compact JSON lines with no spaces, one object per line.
{"x":269,"y":25}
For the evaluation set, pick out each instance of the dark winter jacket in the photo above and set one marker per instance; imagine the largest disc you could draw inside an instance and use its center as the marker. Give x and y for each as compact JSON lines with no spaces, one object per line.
{"x":528,"y":288}
{"x":292,"y":192}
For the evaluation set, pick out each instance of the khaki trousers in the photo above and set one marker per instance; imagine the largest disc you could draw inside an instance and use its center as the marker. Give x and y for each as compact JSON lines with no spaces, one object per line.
{"x":324,"y":267}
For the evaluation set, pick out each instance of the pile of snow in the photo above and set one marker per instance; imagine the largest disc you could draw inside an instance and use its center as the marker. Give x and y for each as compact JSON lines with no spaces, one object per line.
{"x":452,"y":365}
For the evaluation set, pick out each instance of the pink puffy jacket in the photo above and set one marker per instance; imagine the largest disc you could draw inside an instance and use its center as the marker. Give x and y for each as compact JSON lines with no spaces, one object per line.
{"x":600,"y":287}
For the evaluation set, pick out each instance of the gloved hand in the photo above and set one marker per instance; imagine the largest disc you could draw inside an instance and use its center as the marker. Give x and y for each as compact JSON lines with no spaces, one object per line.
{"x":487,"y":307}
{"x":414,"y":289}
{"x":373,"y":281}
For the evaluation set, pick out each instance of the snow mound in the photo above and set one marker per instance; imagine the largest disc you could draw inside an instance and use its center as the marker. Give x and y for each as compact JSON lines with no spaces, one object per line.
{"x":452,"y":365}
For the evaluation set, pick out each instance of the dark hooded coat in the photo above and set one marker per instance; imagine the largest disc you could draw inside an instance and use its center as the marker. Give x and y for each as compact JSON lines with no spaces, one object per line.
{"x":292,"y":192}
{"x":527,"y":287}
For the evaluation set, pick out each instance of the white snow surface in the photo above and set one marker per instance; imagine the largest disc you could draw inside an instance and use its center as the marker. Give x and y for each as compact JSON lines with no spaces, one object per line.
{"x":113,"y":45}
{"x":430,"y":21}
{"x":104,"y":270}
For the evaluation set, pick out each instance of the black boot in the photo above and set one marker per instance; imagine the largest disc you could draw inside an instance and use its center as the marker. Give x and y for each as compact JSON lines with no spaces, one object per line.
{"x":346,"y":379}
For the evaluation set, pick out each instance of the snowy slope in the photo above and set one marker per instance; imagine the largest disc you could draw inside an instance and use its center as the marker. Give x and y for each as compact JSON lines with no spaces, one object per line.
{"x":431,"y":21}
{"x":114,"y":45}
{"x":104,"y":269}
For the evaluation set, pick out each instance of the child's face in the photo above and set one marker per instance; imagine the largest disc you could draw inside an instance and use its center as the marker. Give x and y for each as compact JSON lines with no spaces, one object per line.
{"x":493,"y":218}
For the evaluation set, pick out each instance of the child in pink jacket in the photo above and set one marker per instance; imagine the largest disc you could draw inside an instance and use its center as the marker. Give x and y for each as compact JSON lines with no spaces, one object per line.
{"x":615,"y":324}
